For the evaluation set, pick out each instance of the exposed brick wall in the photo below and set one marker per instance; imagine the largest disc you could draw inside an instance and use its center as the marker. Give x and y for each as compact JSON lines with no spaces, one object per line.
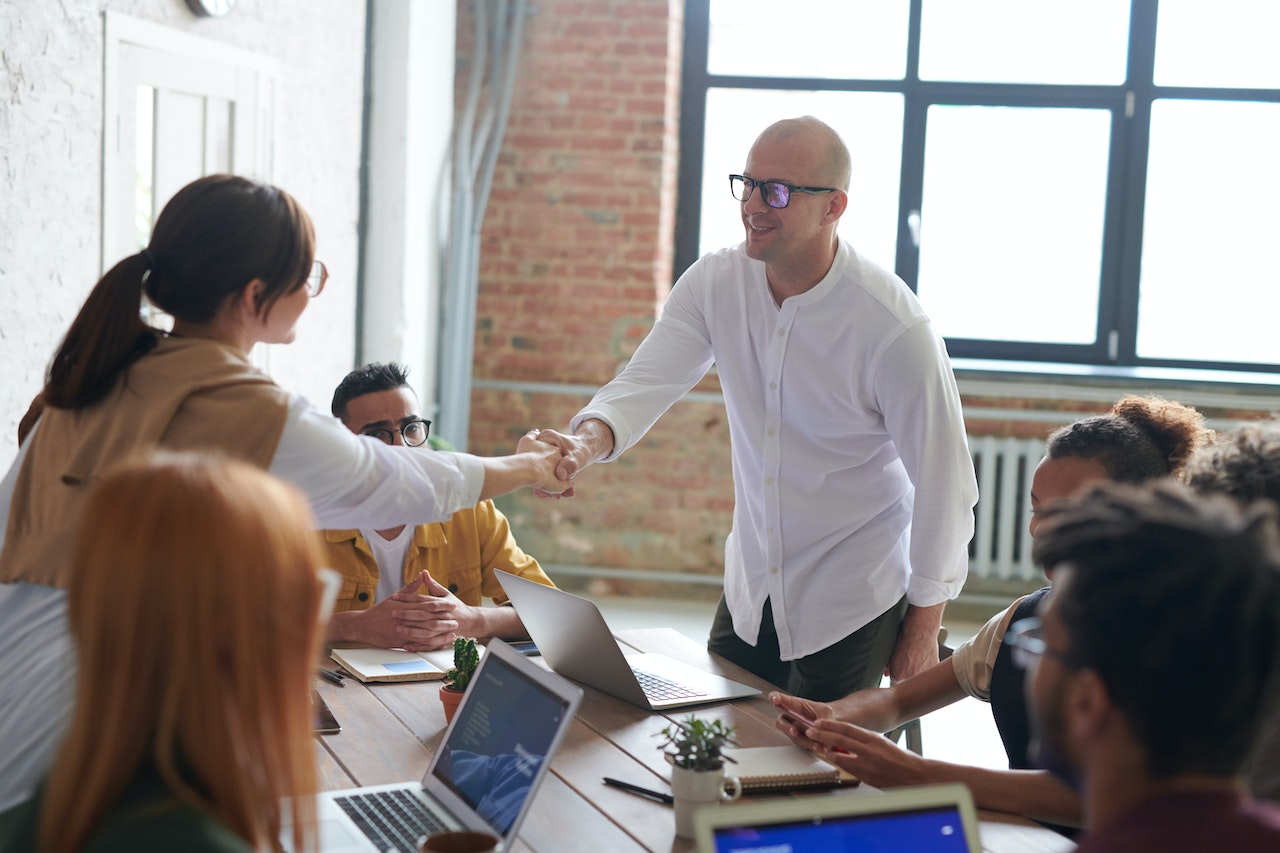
{"x":576,"y":256}
{"x":576,"y":247}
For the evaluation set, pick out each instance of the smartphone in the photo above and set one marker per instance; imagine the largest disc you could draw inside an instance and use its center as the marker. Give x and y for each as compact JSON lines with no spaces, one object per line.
{"x":525,"y":647}
{"x":798,"y":719}
{"x":325,"y":722}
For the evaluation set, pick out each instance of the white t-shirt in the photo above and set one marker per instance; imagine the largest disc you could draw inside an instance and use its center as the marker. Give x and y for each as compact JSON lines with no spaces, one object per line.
{"x":389,"y":555}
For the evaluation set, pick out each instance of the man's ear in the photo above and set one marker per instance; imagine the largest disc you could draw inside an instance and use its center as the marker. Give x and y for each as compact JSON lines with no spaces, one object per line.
{"x":836,"y":205}
{"x":1089,"y":707}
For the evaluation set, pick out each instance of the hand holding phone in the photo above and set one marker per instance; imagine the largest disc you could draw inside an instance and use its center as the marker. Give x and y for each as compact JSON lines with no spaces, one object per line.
{"x":798,"y":719}
{"x":803,"y":722}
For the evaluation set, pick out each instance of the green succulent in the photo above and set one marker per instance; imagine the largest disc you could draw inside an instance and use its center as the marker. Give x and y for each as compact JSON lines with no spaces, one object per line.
{"x":465,"y":660}
{"x":696,"y":744}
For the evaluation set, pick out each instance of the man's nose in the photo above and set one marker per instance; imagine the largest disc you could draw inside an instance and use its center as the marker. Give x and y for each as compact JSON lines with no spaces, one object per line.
{"x":755,"y":202}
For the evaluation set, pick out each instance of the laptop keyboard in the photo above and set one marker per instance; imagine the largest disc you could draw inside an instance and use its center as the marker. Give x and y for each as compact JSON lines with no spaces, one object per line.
{"x":661,"y":689}
{"x":393,"y":820}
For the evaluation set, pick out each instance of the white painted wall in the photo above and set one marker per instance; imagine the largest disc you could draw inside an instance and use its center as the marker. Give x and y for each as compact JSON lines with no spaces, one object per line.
{"x":410,"y":121}
{"x":50,"y":173}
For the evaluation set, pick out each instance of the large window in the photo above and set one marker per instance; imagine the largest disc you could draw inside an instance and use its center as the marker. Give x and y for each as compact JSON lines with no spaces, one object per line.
{"x":1094,"y":182}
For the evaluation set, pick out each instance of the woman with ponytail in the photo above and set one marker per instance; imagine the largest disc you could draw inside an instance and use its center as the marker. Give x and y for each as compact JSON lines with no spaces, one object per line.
{"x":232,"y":261}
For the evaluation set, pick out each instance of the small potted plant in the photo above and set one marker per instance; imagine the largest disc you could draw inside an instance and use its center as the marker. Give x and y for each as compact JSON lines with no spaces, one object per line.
{"x":694,"y":748}
{"x":466,"y":657}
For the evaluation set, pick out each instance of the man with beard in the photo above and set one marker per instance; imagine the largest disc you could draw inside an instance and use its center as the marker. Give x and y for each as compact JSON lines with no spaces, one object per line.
{"x":1154,"y":663}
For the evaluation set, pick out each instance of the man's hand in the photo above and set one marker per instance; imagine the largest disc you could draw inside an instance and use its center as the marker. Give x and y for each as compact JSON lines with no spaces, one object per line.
{"x":592,"y":441}
{"x":468,"y":621}
{"x":917,"y":646}
{"x":548,"y":461}
{"x":408,"y":619}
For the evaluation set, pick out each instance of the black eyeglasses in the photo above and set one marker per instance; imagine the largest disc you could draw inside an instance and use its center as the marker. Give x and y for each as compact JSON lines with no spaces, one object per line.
{"x":318,"y":276}
{"x":776,"y":194}
{"x":1025,"y":640}
{"x":414,"y":433}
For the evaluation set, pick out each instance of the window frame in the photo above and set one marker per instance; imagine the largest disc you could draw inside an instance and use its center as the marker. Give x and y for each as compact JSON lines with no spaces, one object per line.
{"x":1130,"y":105}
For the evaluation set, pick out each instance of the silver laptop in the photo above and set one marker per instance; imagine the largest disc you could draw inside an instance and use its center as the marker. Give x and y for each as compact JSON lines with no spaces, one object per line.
{"x":926,"y":818}
{"x":573,"y":637}
{"x":489,"y":764}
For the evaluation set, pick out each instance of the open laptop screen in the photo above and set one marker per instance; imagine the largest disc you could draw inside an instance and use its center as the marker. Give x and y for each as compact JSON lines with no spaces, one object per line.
{"x":925,"y":830}
{"x":499,"y":741}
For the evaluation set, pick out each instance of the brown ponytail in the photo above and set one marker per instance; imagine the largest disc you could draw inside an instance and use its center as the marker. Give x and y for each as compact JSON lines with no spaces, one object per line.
{"x":106,"y":337}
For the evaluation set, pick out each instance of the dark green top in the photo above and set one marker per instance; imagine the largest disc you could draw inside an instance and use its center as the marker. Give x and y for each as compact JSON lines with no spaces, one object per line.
{"x":148,"y":819}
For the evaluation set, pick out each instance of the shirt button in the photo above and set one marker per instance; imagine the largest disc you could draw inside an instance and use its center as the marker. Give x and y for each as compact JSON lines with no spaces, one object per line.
{"x":773,"y":570}
{"x":768,"y":481}
{"x":773,"y":386}
{"x":772,"y":433}
{"x":781,"y":332}
{"x":364,"y":596}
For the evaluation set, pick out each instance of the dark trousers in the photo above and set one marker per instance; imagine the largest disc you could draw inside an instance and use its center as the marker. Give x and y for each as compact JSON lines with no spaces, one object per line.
{"x":854,"y":663}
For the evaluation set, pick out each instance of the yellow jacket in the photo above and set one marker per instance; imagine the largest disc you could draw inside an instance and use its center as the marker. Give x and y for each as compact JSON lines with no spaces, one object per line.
{"x":460,"y":554}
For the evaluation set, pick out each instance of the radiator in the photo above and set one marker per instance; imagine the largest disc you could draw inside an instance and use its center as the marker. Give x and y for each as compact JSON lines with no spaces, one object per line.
{"x":1001,"y":546}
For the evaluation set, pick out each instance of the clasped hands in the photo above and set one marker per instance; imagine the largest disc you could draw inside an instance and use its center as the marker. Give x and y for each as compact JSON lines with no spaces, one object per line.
{"x":422,"y":616}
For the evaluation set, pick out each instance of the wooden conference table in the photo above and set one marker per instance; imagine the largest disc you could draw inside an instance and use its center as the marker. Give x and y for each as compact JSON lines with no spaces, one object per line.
{"x":389,"y":732}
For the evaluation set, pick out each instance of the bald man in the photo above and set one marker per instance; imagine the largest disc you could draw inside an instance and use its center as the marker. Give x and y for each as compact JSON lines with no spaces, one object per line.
{"x":853,"y":483}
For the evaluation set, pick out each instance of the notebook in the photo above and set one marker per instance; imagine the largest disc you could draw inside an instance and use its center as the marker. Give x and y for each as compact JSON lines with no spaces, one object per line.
{"x":490,"y":762}
{"x":923,"y":819}
{"x":771,"y":769}
{"x":576,"y":642}
{"x":371,"y":664}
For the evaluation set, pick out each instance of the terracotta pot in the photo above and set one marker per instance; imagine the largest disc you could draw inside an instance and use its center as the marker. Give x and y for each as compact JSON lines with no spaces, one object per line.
{"x":449,"y":698}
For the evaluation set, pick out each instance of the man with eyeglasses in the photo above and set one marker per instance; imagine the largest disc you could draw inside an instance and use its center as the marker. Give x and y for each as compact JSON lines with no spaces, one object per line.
{"x":417,"y":587}
{"x":1155,"y":664}
{"x":854,"y":488}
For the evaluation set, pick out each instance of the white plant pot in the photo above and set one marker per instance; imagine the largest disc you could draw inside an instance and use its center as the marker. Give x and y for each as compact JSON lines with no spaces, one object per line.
{"x":697,"y":789}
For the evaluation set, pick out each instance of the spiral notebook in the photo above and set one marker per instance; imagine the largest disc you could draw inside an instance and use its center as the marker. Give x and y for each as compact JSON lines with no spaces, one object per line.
{"x":370,"y":664}
{"x":771,"y":769}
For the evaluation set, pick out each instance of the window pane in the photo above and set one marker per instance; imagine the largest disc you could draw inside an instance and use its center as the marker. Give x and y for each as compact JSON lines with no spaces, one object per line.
{"x":1013,"y":217}
{"x":1084,"y":42}
{"x":842,"y":39}
{"x":735,"y":118}
{"x":1225,"y":43}
{"x":1210,"y":289}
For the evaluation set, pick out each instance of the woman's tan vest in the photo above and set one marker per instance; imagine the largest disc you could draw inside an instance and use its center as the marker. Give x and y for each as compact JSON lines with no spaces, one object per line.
{"x":186,"y":394}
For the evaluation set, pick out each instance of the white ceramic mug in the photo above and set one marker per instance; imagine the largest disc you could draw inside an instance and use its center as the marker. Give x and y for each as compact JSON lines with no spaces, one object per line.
{"x":695,"y":789}
{"x":461,"y":842}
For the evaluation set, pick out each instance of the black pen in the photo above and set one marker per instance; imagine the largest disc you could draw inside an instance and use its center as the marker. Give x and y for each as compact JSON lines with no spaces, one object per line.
{"x":643,"y":792}
{"x":331,"y":676}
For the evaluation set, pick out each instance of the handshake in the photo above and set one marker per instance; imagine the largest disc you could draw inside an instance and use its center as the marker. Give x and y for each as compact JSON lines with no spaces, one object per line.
{"x":556,"y":457}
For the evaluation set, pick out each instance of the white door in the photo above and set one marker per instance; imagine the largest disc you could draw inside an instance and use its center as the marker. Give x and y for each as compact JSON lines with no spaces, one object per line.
{"x":176,"y":107}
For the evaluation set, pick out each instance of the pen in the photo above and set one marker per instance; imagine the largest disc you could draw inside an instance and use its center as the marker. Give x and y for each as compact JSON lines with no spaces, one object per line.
{"x":643,"y":792}
{"x":331,"y":676}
